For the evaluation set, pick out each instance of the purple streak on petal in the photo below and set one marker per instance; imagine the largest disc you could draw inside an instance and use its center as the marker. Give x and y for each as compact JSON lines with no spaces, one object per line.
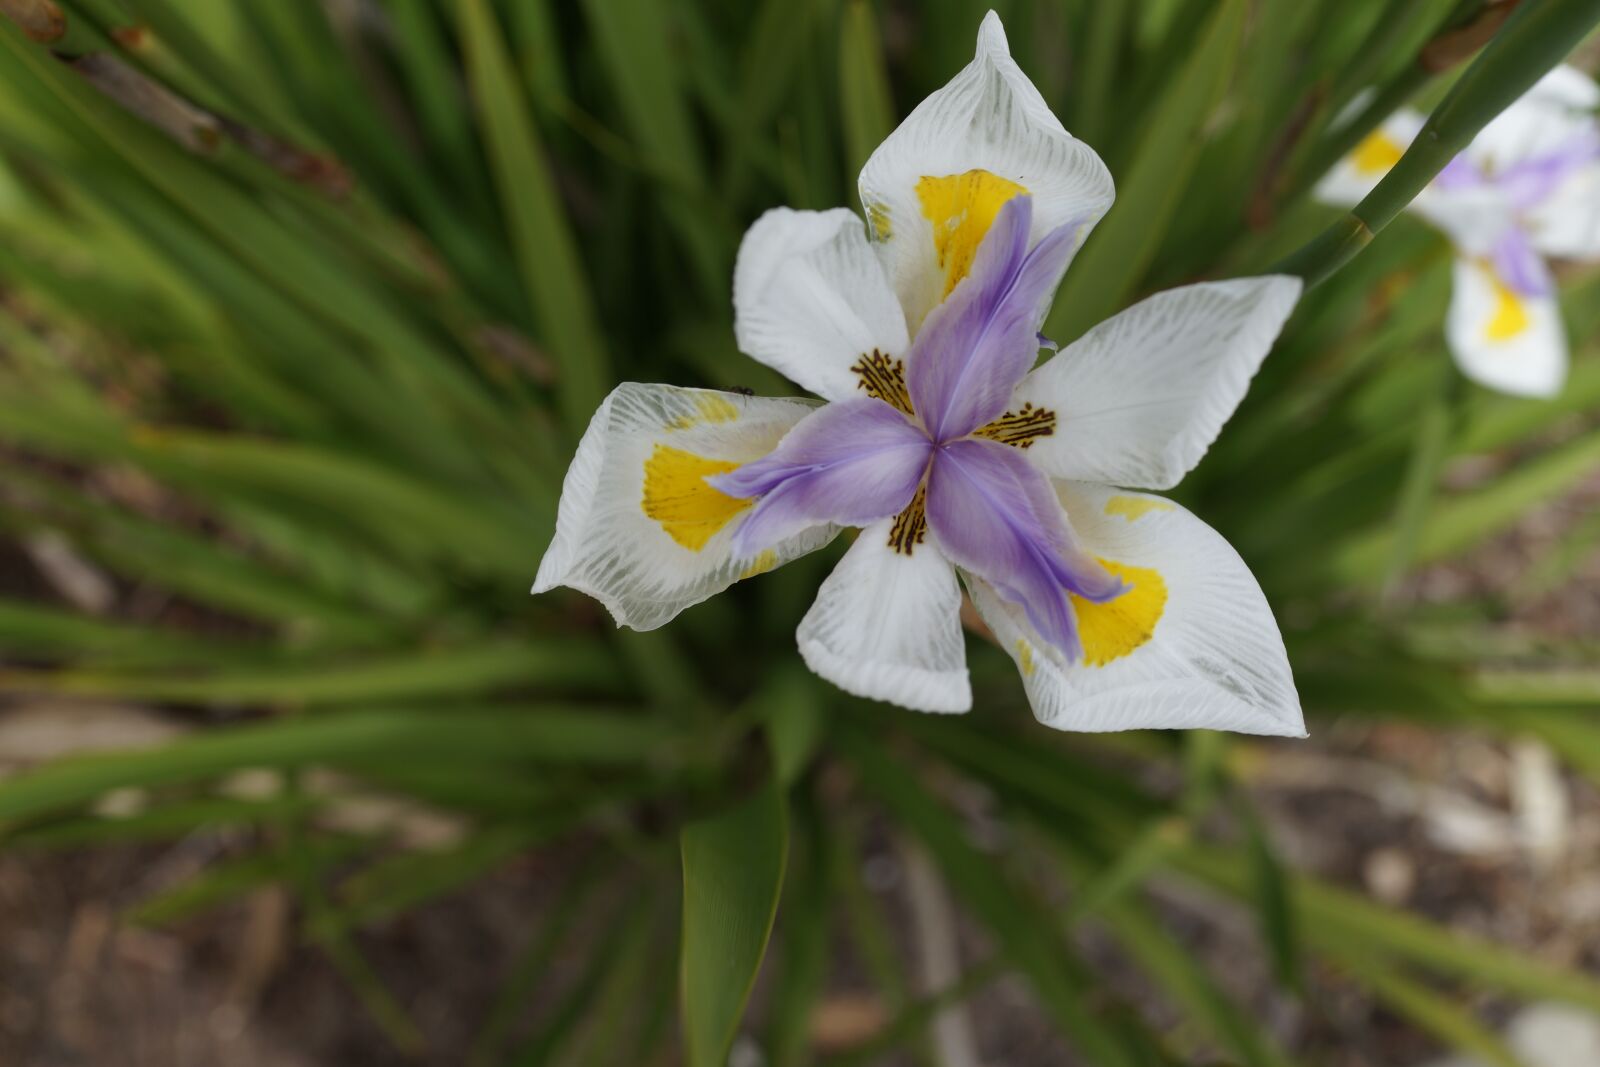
{"x":852,"y":462}
{"x":1521,"y":267}
{"x":1460,"y":173}
{"x":1528,"y":182}
{"x":996,"y":515}
{"x":975,"y":347}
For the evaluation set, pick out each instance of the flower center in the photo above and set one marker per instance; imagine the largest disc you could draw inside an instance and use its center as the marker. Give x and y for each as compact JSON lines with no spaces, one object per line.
{"x":883,"y":377}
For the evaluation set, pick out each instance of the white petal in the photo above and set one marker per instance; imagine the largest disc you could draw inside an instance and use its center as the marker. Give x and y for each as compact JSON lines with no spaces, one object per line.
{"x":810,"y":299}
{"x":888,"y":626}
{"x":1139,"y":398}
{"x":1545,"y":118}
{"x":1515,"y":344}
{"x":988,"y":118}
{"x":1349,"y":181}
{"x":1567,"y":225}
{"x":1473,"y":218}
{"x":646,"y":569}
{"x":1213,"y":658}
{"x":1567,"y":86}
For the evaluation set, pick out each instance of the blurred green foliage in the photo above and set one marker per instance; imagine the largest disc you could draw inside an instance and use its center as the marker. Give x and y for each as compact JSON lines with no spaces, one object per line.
{"x":306,"y":302}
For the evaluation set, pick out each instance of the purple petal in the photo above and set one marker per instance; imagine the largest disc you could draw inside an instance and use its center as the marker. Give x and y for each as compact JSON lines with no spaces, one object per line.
{"x":1460,"y":173}
{"x":996,"y":515}
{"x":1519,"y":265}
{"x":975,"y":347}
{"x":852,"y":462}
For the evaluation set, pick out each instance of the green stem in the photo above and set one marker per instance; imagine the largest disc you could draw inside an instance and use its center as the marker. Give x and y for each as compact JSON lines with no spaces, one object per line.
{"x":1329,"y":250}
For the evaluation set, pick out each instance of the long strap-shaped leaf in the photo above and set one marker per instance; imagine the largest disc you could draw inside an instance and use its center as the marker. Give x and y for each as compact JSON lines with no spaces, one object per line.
{"x":864,"y":101}
{"x":733,"y":866}
{"x":470,"y":737}
{"x":1149,"y":193}
{"x":546,"y":253}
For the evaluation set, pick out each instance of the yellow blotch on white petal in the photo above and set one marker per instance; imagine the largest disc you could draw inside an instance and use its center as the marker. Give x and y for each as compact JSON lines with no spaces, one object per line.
{"x":764,"y":562}
{"x":1510,"y":316}
{"x":709,"y":407}
{"x":1025,"y":658}
{"x":676,"y":496}
{"x":1111,"y":630}
{"x":878,"y":219}
{"x":961,"y":208}
{"x":1377,"y":154}
{"x":1134,"y":508}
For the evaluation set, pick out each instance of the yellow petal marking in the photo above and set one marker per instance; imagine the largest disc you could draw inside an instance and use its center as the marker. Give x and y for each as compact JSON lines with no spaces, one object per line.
{"x":1134,"y":508}
{"x":878,"y":218}
{"x":676,"y":496}
{"x":1377,"y":154}
{"x":763,"y":563}
{"x":961,"y":208}
{"x":1510,"y":316}
{"x":1112,"y":630}
{"x":709,"y":407}
{"x":1025,"y":658}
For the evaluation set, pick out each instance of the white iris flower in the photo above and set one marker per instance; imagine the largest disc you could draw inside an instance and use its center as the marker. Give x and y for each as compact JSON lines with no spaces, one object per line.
{"x":948,"y":450}
{"x":1527,"y":187}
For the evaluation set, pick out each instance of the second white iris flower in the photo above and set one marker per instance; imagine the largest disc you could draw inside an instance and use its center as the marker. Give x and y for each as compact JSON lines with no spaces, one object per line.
{"x":1526,"y":188}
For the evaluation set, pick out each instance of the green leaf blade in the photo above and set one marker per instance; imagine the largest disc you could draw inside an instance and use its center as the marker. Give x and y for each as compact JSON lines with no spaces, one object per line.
{"x":733,"y":866}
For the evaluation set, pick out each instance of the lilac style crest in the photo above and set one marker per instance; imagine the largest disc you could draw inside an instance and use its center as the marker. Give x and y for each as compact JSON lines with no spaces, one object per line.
{"x":970,"y":474}
{"x":857,"y":461}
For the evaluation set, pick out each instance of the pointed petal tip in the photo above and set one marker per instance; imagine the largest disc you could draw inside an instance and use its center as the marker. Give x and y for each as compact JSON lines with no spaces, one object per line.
{"x":1021,"y":204}
{"x":1288,"y":721}
{"x":1011,"y":226}
{"x":545,"y":578}
{"x":992,"y":36}
{"x":1280,"y":295}
{"x":1290,"y":284}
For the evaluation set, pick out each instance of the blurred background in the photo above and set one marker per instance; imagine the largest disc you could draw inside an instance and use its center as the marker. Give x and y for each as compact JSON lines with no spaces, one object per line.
{"x":303,"y":304}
